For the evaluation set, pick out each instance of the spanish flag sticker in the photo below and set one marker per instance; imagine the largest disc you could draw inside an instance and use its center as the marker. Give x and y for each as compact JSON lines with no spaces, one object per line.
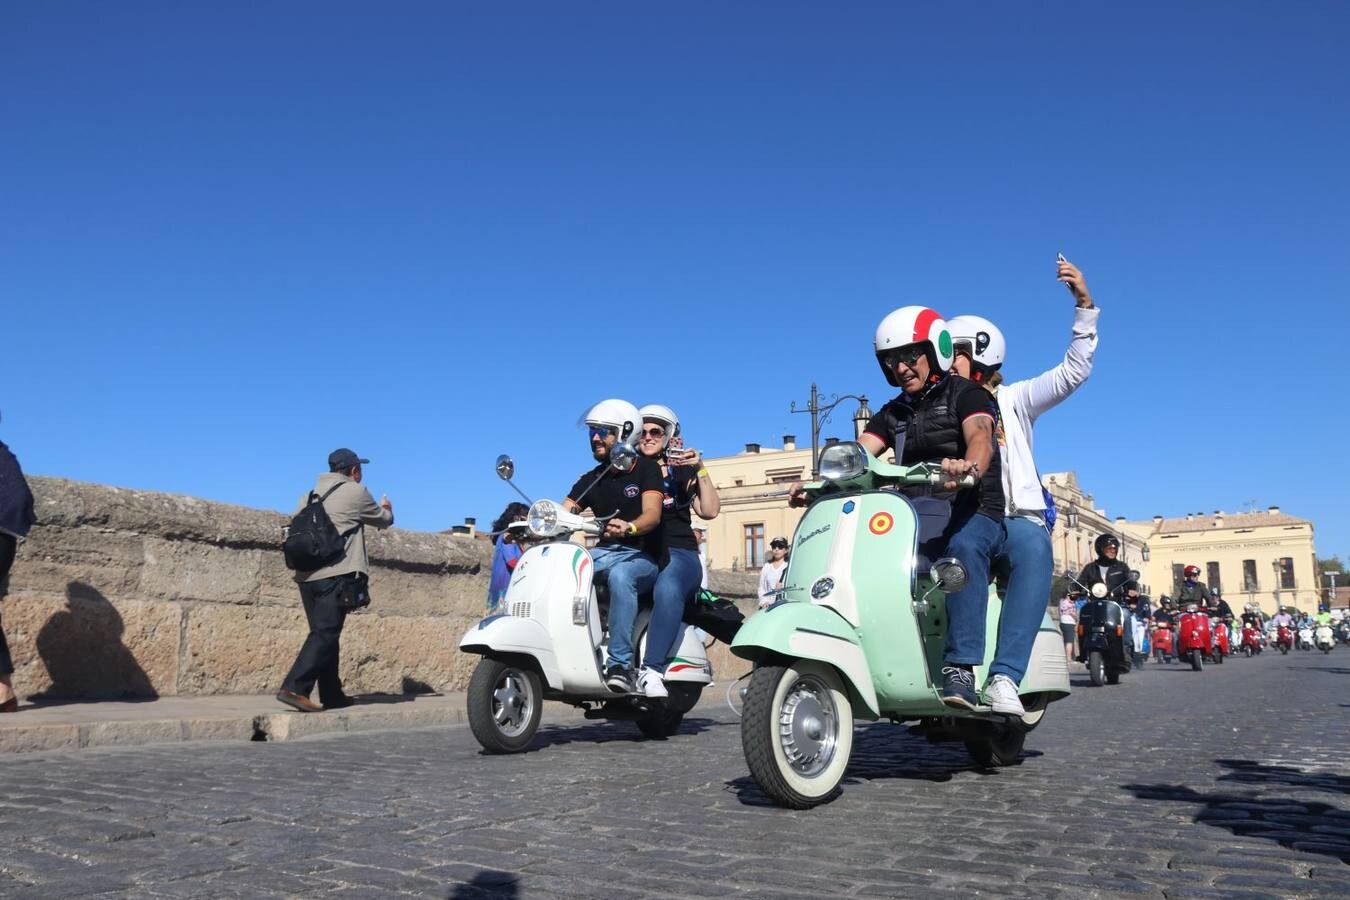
{"x":881,"y":523}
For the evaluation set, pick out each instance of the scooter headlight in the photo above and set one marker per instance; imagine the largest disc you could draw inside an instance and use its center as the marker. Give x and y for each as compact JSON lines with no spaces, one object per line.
{"x":543,"y":518}
{"x":840,"y":462}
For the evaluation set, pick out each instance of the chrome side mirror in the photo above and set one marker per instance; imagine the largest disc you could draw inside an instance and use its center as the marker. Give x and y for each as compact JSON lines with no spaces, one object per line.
{"x":506,"y":467}
{"x":1134,"y":574}
{"x":949,"y":574}
{"x":622,"y":458}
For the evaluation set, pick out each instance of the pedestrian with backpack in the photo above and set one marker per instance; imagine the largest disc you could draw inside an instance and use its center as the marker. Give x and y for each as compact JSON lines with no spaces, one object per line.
{"x":326,"y":546}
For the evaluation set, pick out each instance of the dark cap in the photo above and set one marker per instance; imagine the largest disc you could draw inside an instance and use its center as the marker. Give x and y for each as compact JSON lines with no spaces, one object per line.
{"x":342,"y":459}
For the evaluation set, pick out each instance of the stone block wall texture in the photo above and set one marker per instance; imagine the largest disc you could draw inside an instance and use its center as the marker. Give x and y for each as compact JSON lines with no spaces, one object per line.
{"x":126,"y":593}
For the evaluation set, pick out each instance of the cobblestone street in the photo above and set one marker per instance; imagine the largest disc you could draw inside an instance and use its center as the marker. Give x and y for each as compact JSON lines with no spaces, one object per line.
{"x":1151,"y":788}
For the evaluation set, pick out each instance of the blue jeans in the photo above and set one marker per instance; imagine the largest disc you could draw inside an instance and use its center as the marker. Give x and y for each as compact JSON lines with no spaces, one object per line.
{"x":975,"y":542}
{"x":630,"y":572}
{"x":1030,"y":558}
{"x":676,"y":584}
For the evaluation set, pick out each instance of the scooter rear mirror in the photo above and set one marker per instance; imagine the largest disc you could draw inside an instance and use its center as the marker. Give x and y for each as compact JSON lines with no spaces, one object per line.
{"x":506,"y":467}
{"x":949,"y":574}
{"x":622,"y":458}
{"x":1134,"y":574}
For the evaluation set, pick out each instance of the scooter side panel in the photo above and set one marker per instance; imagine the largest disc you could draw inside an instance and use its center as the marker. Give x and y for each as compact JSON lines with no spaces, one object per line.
{"x":511,"y":634}
{"x":1048,"y":670}
{"x":690,"y":662}
{"x":806,"y":631}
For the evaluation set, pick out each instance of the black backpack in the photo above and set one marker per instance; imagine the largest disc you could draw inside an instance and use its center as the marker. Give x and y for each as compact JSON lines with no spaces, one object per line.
{"x":312,"y":540}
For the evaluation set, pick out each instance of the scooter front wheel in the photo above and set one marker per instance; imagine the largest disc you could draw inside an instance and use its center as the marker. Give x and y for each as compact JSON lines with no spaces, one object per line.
{"x":1097,"y":668}
{"x":797,"y":732}
{"x":506,"y":703}
{"x":1197,"y":660}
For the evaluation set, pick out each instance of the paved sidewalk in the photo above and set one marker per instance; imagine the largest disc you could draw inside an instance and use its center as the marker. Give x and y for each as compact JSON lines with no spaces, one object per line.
{"x":71,"y":726}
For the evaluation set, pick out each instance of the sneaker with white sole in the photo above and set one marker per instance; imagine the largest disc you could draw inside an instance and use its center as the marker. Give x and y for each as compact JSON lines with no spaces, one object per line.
{"x":650,"y":684}
{"x":1001,"y":692}
{"x":618,"y":680}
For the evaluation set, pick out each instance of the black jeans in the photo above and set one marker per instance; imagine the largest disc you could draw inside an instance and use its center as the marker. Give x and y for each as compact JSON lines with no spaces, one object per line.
{"x":8,"y":544}
{"x":318,"y":659}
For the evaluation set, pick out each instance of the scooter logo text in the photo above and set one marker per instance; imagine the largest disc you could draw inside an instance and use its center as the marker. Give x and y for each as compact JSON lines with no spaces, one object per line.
{"x":821,"y":530}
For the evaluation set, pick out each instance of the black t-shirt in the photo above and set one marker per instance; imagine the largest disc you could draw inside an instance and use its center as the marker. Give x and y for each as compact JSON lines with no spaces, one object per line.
{"x":621,"y":491}
{"x":967,"y":399}
{"x":677,"y":528}
{"x":1162,"y":617}
{"x":1251,"y":618}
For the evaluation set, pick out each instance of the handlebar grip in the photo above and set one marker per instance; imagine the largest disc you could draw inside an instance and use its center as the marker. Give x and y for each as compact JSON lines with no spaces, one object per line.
{"x":964,"y":481}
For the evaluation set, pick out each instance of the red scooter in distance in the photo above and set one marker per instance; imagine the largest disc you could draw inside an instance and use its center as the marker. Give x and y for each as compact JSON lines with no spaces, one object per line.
{"x":1222,"y":645}
{"x":1164,"y":643}
{"x":1251,"y":640}
{"x":1284,"y":638}
{"x":1194,"y":641}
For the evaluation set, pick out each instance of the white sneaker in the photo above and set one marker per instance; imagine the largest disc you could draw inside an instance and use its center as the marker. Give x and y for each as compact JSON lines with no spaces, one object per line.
{"x":1001,"y":693}
{"x":650,"y":684}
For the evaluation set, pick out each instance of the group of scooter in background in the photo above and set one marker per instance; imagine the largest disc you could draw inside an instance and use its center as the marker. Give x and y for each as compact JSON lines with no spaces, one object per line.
{"x":1117,"y":629}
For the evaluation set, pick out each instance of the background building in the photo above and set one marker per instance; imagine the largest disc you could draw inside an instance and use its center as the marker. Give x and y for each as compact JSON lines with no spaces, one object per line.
{"x":1267,"y":558}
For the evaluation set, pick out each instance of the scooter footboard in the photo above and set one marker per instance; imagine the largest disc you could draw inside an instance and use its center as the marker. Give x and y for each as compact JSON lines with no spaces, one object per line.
{"x":806,"y":631}
{"x":512,"y":634}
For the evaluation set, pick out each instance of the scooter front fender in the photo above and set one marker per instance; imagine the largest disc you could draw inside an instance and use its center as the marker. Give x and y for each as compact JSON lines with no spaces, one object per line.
{"x":499,"y":635}
{"x":805,"y":631}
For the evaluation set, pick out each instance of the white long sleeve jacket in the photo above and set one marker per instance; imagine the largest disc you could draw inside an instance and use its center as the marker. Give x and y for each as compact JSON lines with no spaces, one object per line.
{"x":1022,"y":402}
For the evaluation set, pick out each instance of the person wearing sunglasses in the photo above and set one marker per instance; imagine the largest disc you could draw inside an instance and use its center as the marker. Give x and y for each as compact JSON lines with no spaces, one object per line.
{"x":686,"y":487}
{"x":938,"y":418}
{"x":634,"y":497}
{"x":1029,"y":514}
{"x":771,"y":573}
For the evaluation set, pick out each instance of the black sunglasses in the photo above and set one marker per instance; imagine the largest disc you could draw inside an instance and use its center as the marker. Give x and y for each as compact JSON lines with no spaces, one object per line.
{"x":907,"y":355}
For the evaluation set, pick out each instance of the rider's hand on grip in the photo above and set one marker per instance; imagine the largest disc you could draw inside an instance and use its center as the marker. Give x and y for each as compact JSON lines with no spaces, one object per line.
{"x":797,"y":494}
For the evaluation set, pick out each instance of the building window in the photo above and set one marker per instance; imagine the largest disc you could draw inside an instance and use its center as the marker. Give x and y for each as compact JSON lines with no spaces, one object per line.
{"x":754,"y":545}
{"x":1212,"y":574}
{"x":1286,"y":573}
{"x":1178,"y":576}
{"x":784,"y":476}
{"x":1249,"y":583}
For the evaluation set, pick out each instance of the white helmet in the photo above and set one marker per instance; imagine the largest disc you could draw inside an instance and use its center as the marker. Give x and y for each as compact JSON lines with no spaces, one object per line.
{"x":665,"y":416}
{"x":987,"y":347}
{"x":914,"y":325}
{"x":620,"y":415}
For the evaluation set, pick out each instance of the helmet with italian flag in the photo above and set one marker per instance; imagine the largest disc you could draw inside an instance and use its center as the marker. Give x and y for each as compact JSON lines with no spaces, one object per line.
{"x":914,"y":325}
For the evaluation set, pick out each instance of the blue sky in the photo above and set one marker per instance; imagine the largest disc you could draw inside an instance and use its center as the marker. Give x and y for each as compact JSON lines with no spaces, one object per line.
{"x":236,"y":236}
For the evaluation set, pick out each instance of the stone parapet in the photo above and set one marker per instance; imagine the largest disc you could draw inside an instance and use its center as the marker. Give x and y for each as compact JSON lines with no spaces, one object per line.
{"x":127,"y":593}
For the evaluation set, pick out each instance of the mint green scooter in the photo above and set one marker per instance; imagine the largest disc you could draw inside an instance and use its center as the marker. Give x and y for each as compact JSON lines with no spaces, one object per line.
{"x":858,"y":632}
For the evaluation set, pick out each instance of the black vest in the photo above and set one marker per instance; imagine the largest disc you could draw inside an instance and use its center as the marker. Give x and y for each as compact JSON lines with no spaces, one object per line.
{"x":933,"y":433}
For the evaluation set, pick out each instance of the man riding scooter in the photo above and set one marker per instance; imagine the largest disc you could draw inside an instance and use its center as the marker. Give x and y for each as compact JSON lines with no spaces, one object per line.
{"x":636,"y":497}
{"x":1105,"y":617}
{"x":1192,"y":591}
{"x":946,"y":419}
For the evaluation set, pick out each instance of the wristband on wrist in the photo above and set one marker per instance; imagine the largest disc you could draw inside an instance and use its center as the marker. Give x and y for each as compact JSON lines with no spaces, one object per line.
{"x":702,"y":473}
{"x":632,"y":528}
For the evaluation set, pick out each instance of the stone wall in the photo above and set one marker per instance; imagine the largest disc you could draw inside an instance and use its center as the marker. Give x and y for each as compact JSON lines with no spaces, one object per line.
{"x":133,"y":593}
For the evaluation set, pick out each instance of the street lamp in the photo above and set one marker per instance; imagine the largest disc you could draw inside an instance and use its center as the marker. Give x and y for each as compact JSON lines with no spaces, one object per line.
{"x":820,"y":414}
{"x":1275,"y":564}
{"x":1144,"y":553}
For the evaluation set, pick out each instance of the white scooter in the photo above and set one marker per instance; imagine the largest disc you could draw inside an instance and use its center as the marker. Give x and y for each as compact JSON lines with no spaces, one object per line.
{"x":548,"y":639}
{"x":1305,"y":638}
{"x":1325,"y":638}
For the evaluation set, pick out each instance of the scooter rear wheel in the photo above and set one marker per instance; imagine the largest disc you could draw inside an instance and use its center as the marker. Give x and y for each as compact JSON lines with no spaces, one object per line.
{"x":797,"y":732}
{"x":683,"y":697}
{"x":506,"y":704}
{"x":1003,"y":748}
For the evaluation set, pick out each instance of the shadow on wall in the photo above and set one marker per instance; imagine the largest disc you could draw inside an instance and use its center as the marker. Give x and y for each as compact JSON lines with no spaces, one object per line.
{"x":81,"y":646}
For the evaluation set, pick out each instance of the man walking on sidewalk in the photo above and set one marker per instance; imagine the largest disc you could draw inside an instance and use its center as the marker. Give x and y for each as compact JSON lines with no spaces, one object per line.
{"x":328,"y":592}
